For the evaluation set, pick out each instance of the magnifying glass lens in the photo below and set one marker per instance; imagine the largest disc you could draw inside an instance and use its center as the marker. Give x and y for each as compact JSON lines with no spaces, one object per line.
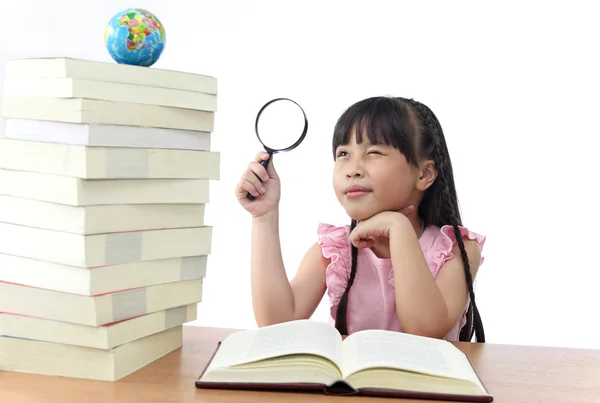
{"x":280,"y":125}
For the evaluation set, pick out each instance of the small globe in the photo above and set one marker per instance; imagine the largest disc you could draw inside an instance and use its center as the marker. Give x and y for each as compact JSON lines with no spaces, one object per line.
{"x":135,"y":36}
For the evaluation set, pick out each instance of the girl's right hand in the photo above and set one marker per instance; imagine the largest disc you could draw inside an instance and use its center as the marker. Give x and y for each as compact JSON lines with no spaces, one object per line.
{"x":266,"y":194}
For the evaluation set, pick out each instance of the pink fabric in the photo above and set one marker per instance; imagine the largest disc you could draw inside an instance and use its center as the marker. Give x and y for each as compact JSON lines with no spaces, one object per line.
{"x":371,"y":300}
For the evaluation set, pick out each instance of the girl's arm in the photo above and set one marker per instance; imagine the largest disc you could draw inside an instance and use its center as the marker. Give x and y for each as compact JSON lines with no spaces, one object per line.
{"x":274,"y":298}
{"x":428,"y":306}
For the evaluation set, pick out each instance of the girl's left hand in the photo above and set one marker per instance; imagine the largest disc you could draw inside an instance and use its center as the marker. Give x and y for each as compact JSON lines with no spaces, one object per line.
{"x":378,"y":226}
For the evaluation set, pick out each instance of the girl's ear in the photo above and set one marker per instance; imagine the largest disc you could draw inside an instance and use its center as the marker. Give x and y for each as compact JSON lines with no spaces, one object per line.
{"x":426,"y":175}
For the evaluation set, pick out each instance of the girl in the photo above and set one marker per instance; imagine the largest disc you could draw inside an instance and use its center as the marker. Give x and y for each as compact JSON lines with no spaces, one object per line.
{"x":405,"y":262}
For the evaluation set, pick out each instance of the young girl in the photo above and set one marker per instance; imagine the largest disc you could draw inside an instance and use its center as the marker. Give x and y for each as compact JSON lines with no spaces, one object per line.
{"x":405,"y":262}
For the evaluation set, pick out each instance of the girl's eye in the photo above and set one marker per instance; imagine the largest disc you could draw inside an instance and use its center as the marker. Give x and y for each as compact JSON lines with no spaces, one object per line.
{"x":342,"y":154}
{"x":374,"y":152}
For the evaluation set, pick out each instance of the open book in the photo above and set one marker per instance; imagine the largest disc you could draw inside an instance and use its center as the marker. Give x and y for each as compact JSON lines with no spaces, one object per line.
{"x":307,"y":355}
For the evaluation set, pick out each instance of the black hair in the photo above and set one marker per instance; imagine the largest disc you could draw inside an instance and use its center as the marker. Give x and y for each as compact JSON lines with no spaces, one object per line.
{"x":413,"y":129}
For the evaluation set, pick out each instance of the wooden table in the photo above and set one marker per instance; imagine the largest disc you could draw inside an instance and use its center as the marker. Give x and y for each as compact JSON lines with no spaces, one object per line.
{"x":512,"y":374}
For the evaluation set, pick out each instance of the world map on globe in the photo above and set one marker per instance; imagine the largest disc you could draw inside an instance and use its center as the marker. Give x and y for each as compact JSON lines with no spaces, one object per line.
{"x":135,"y":36}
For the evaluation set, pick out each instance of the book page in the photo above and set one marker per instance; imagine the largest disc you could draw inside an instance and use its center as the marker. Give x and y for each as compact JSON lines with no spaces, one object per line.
{"x":297,"y":337}
{"x":388,"y":349}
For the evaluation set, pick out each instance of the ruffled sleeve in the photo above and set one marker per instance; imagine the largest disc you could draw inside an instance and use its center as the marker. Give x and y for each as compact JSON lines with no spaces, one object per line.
{"x":335,"y":245}
{"x":441,"y":251}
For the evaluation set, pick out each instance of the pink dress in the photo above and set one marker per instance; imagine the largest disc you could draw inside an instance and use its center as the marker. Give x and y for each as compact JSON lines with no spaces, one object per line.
{"x":371,"y":300}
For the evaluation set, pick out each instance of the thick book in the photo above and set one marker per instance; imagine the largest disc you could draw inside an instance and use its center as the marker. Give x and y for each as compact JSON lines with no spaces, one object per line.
{"x":108,"y":162}
{"x":104,"y":249}
{"x":108,"y":72}
{"x":108,"y":91}
{"x":307,"y":355}
{"x":99,"y":219}
{"x":100,"y":279}
{"x":94,"y":111}
{"x":103,"y":337}
{"x":105,"y":135}
{"x":54,"y":359}
{"x":91,"y":192}
{"x":97,"y":310}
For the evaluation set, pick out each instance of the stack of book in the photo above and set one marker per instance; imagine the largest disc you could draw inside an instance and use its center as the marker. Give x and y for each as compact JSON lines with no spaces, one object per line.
{"x":104,"y":179}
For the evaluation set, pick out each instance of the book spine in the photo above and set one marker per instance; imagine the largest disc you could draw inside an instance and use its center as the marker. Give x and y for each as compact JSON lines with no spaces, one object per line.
{"x":340,"y":388}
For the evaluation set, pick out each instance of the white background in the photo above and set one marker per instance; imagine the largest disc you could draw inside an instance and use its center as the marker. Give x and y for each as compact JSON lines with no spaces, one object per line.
{"x":514,"y":84}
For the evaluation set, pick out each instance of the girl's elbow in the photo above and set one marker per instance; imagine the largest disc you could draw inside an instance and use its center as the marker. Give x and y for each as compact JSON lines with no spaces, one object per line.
{"x":423,"y":331}
{"x":263,"y":322}
{"x":268,"y":320}
{"x":424,"y":328}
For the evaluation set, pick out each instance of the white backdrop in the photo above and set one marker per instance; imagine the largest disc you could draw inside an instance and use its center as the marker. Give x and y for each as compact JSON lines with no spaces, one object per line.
{"x":515,"y":86}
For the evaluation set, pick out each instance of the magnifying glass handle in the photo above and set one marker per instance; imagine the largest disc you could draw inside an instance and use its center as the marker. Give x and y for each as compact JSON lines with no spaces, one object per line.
{"x":264,"y":163}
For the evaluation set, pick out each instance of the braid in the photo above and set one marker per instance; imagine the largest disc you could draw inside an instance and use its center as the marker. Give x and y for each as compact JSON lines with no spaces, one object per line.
{"x":340,"y":318}
{"x":450,"y":214}
{"x":451,"y":209}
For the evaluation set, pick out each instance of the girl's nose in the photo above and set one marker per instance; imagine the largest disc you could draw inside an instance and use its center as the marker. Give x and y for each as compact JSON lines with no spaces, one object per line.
{"x":355,"y":170}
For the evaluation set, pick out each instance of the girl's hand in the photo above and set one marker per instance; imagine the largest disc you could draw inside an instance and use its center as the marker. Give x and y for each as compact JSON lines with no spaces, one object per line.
{"x":267,"y":193}
{"x":368,"y":231}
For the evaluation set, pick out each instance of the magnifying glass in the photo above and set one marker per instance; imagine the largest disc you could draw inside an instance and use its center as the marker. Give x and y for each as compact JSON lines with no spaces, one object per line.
{"x":281,"y":125}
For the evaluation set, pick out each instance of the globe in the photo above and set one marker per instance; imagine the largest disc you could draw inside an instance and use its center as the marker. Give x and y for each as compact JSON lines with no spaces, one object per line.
{"x":135,"y":36}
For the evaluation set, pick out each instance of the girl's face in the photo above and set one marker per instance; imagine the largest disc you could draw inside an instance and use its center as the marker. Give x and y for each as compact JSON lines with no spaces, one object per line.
{"x":371,"y":178}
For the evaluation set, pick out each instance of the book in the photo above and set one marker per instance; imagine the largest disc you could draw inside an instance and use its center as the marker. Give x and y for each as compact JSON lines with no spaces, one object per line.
{"x":105,"y":135}
{"x":66,"y":67}
{"x":97,"y":310}
{"x":81,"y":110}
{"x":99,"y":219}
{"x":306,"y":355}
{"x":104,"y":337}
{"x":104,"y":249}
{"x":99,"y":280}
{"x":108,"y":162}
{"x":89,"y":192}
{"x":108,"y":91}
{"x":43,"y":358}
